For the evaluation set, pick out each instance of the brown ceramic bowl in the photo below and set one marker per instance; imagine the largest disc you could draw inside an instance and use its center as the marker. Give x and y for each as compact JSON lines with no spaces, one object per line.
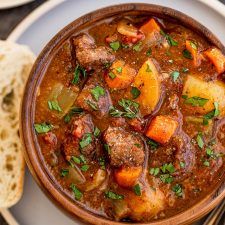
{"x":32,"y":151}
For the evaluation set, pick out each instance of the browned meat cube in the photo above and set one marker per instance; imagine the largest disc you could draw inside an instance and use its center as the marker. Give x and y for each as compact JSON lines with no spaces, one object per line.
{"x":89,"y":55}
{"x":87,"y":98}
{"x":80,"y":139}
{"x":125,"y":148}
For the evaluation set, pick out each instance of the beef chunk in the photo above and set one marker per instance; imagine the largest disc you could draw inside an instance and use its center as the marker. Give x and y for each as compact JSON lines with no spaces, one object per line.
{"x":126,"y":148}
{"x":86,"y":100}
{"x":89,"y":55}
{"x":81,"y":131}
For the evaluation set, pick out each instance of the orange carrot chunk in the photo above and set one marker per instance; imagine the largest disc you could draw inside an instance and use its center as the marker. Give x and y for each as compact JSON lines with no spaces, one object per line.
{"x":217,"y":58}
{"x":127,"y":176}
{"x":193,"y":49}
{"x":161,"y":129}
{"x":150,"y":26}
{"x":120,"y":75}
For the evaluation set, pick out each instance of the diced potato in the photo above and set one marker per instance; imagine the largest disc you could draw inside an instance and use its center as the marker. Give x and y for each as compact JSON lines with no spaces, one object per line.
{"x":148,"y":82}
{"x":146,"y":206}
{"x":214,"y":91}
{"x":126,"y":28}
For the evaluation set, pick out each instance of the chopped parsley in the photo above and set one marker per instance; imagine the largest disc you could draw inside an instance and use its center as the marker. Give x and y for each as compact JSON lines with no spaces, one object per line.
{"x":193,"y":45}
{"x":97,"y":92}
{"x":195,"y":100}
{"x":154,"y":171}
{"x":148,"y":69}
{"x":76,"y":159}
{"x":182,"y":164}
{"x":112,"y":75}
{"x":54,"y":105}
{"x":185,"y":70}
{"x":101,"y":162}
{"x":168,"y":167}
{"x":137,"y":47}
{"x":93,"y":105}
{"x":73,"y":111}
{"x":215,"y":112}
{"x":149,"y":52}
{"x":166,"y":178}
{"x":84,"y":168}
{"x":177,"y":189}
{"x":135,"y":92}
{"x":137,"y":190}
{"x":42,"y":127}
{"x":96,"y":132}
{"x":206,"y":163}
{"x":119,"y":69}
{"x":77,"y":193}
{"x":200,"y":140}
{"x":77,"y":73}
{"x":153,"y":145}
{"x":187,"y":54}
{"x":175,"y":75}
{"x":86,"y":140}
{"x":107,"y":148}
{"x":64,"y":172}
{"x":137,"y":145}
{"x":130,"y":107}
{"x":115,"y":45}
{"x":170,"y":40}
{"x":114,"y":196}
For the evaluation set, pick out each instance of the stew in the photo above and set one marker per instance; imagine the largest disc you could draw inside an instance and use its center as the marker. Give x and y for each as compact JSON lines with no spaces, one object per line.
{"x":130,"y":117}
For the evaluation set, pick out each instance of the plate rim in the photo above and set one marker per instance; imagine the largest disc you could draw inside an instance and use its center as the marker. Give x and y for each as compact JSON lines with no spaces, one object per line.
{"x":8,"y":4}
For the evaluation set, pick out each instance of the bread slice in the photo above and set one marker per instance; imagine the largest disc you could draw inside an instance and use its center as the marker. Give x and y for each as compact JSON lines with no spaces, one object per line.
{"x":15,"y":65}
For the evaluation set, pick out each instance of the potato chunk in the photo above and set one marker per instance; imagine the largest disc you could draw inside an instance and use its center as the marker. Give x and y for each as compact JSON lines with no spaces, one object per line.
{"x":147,"y":81}
{"x":214,"y":91}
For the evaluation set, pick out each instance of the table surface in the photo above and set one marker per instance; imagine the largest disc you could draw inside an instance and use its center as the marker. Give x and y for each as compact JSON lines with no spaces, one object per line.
{"x":12,"y":17}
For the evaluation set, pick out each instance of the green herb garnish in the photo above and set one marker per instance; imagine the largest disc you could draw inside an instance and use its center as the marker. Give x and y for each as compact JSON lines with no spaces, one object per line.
{"x":177,"y":189}
{"x":97,"y":92}
{"x":175,"y":75}
{"x":168,"y":167}
{"x":182,"y":164}
{"x":112,"y":75}
{"x":193,"y":45}
{"x":96,"y":132}
{"x":185,"y":70}
{"x":153,"y":145}
{"x":170,"y":40}
{"x":64,"y":172}
{"x":114,"y":196}
{"x":135,"y":92}
{"x":77,"y":193}
{"x":211,"y":114}
{"x":115,"y":45}
{"x":149,"y":52}
{"x":187,"y":54}
{"x":195,"y":100}
{"x":77,"y":73}
{"x":54,"y":105}
{"x":73,"y":111}
{"x":154,"y":171}
{"x":107,"y":148}
{"x":84,"y":168}
{"x":137,"y":190}
{"x":93,"y":105}
{"x":137,"y":47}
{"x":200,"y":140}
{"x":206,"y":163}
{"x":166,"y":178}
{"x":42,"y":127}
{"x":119,"y":69}
{"x":86,"y":140}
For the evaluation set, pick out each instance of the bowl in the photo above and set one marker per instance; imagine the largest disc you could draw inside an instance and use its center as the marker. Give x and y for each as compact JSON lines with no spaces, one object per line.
{"x":32,"y":152}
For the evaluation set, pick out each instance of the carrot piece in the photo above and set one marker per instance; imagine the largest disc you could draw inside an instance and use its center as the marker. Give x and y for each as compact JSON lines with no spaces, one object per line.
{"x":120,"y":76}
{"x":150,"y":26}
{"x":217,"y":58}
{"x":127,"y":176}
{"x":193,"y":49}
{"x":161,"y":129}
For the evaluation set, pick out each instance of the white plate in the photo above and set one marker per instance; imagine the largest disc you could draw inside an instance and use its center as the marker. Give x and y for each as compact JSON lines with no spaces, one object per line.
{"x":38,"y":28}
{"x":5,"y":4}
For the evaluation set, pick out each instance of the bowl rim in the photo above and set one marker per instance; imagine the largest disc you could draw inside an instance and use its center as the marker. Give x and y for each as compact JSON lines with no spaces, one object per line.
{"x":31,"y":150}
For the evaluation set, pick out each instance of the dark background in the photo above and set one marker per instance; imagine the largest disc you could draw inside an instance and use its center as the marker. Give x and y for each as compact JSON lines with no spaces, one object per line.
{"x":9,"y":18}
